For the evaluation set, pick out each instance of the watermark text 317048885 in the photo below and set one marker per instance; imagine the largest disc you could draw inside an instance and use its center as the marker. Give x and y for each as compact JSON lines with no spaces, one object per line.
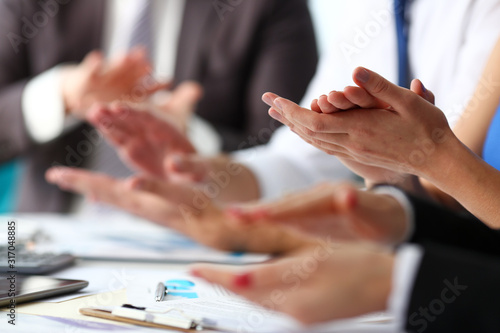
{"x":11,"y":273}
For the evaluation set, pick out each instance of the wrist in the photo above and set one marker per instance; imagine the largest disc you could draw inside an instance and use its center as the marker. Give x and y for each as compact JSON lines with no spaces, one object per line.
{"x":68,"y":83}
{"x":396,"y":225}
{"x":439,"y":156}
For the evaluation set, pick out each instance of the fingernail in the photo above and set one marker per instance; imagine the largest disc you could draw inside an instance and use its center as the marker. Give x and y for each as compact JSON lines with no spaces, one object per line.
{"x":138,"y":184}
{"x":275,"y":114}
{"x":260,"y":214}
{"x":54,"y":175}
{"x":51,"y":176}
{"x":278,"y":105}
{"x":234,"y":212}
{"x":268,"y":100}
{"x":177,"y":161}
{"x":362,"y":75}
{"x":120,"y":110}
{"x":242,"y":280}
{"x":92,"y":198}
{"x":423,"y":87}
{"x":195,"y":273}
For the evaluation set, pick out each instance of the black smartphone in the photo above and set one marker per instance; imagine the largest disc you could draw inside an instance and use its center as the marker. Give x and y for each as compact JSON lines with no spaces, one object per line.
{"x":16,"y":289}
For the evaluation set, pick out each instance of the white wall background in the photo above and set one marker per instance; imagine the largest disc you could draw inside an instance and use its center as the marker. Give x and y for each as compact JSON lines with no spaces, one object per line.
{"x":325,"y":15}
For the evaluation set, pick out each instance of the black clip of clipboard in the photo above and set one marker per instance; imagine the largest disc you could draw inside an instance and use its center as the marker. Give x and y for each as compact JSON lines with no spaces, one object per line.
{"x":140,"y":316}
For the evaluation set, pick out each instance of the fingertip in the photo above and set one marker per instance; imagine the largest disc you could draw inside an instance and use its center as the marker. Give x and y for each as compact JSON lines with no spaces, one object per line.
{"x":196,"y":272}
{"x":351,"y":199}
{"x":243,"y":280}
{"x":119,"y":109}
{"x":235,"y":212}
{"x":278,"y":104}
{"x":275,"y":114}
{"x":50,"y":175}
{"x":135,"y":183}
{"x":175,"y":162}
{"x":55,"y":175}
{"x":418,"y":87}
{"x":424,"y":89}
{"x":346,"y":197}
{"x":268,"y":99}
{"x":361,"y":75}
{"x":94,"y":56}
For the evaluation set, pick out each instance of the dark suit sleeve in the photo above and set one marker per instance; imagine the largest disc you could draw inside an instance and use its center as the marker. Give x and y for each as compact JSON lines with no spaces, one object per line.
{"x":455,"y":291}
{"x":14,"y":68}
{"x":284,"y":64}
{"x":437,"y":224}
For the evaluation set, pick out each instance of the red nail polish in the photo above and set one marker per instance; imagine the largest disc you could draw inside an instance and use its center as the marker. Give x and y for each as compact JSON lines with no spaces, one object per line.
{"x":195,"y":273}
{"x":260,"y":214}
{"x":242,"y":280}
{"x":235,"y":212}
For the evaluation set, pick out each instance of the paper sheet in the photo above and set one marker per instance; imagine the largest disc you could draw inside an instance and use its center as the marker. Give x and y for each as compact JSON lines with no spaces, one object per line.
{"x":118,"y":236}
{"x":236,"y":314}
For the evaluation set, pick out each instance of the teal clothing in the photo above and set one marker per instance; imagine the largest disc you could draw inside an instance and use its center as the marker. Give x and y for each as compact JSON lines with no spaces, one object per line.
{"x":10,"y":175}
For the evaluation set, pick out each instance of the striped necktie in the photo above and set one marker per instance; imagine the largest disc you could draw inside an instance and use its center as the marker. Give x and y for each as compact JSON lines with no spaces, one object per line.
{"x":402,"y":38}
{"x":106,"y":158}
{"x":142,"y":33}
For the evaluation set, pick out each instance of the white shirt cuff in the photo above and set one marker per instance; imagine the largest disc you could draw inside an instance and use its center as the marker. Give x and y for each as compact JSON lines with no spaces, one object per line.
{"x":204,"y":137}
{"x":43,"y":107}
{"x":405,"y":271}
{"x":403,"y":200}
{"x":275,"y":174}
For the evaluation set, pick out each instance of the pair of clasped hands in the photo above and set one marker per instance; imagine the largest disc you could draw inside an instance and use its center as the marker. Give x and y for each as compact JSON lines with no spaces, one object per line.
{"x":127,"y":78}
{"x":333,"y":237}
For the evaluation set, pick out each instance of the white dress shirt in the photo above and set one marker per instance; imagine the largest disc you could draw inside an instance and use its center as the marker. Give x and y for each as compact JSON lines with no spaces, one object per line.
{"x":449,"y":44}
{"x":43,"y":92}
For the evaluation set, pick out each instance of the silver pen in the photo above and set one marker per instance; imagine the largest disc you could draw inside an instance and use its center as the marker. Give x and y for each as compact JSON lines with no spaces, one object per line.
{"x":161,"y":291}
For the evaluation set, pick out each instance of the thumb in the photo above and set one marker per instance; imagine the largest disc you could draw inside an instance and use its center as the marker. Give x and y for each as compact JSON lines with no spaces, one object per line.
{"x":185,"y":97}
{"x":418,"y":88}
{"x":93,"y":62}
{"x":381,"y":88}
{"x":173,"y":193}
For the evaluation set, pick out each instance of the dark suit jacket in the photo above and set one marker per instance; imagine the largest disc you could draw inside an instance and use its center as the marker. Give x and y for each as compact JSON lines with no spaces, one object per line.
{"x":457,"y":287}
{"x":237,"y":52}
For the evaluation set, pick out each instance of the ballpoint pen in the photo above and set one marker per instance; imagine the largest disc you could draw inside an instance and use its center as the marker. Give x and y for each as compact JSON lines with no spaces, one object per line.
{"x":161,"y":291}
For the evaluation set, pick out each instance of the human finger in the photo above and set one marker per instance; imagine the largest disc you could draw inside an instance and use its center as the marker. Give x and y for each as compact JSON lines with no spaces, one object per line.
{"x":339,"y":100}
{"x":325,"y":105}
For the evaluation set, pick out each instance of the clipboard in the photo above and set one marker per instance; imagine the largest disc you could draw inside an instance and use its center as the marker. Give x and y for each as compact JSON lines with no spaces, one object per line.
{"x":140,"y":316}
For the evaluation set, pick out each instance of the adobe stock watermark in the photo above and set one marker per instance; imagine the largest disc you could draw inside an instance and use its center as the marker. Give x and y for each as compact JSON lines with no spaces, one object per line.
{"x":292,"y":280}
{"x":417,"y":157}
{"x":364,"y":36}
{"x":429,"y":314}
{"x":75,"y":156}
{"x":31,"y":25}
{"x":263,"y":136}
{"x":205,"y":194}
{"x":219,"y":180}
{"x":223,"y":7}
{"x":485,"y":87}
